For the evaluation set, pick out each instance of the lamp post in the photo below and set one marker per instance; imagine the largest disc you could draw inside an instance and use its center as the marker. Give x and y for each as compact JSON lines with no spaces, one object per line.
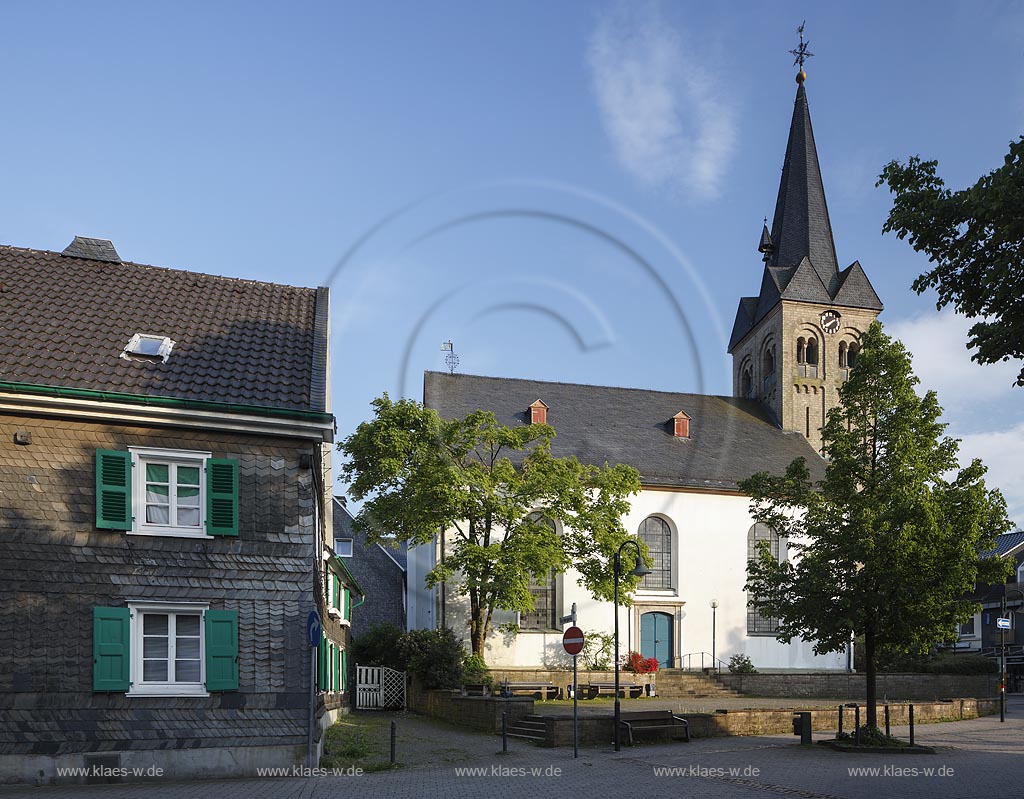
{"x":1002,"y":641}
{"x":639,"y":570}
{"x":714,"y":613}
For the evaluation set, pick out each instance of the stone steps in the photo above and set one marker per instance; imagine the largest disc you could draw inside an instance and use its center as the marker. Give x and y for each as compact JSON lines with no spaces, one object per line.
{"x":530,"y":728}
{"x":672,"y":684}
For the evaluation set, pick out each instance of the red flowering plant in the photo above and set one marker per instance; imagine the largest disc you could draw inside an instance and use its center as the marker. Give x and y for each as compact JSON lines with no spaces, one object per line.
{"x":638,"y":664}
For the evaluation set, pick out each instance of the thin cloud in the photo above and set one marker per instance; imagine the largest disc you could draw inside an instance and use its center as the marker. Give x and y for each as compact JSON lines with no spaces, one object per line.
{"x":664,"y":113}
{"x":1000,"y":451}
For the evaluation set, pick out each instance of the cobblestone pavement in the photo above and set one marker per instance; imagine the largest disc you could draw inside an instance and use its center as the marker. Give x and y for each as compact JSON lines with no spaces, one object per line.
{"x":980,"y":757}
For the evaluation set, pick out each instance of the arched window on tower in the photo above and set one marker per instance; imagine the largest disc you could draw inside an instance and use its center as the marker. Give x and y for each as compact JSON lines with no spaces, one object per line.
{"x":847,"y":358}
{"x":800,"y":351}
{"x":812,"y":357}
{"x":747,"y":382}
{"x":657,"y":535}
{"x":768,"y":368}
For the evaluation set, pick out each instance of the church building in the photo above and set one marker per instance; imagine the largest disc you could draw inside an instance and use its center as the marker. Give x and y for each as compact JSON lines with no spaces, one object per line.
{"x":792,"y":347}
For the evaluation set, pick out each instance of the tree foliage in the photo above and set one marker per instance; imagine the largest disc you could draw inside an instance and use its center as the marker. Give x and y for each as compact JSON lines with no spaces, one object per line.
{"x":887,"y":545}
{"x":494,"y":488}
{"x":975,"y":241}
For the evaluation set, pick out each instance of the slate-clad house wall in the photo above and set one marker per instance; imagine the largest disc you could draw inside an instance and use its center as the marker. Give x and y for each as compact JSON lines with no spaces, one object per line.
{"x":164,"y":439}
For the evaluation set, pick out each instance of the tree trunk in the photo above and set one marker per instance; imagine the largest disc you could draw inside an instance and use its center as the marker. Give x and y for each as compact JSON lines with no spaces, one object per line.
{"x":870,"y":668}
{"x":477,"y":627}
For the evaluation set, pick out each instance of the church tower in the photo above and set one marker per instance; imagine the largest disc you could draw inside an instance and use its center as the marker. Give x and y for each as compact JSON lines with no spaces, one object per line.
{"x":793,"y":345}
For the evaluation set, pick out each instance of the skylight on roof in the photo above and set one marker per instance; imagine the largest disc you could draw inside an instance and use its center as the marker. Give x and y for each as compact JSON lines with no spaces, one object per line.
{"x":149,"y":347}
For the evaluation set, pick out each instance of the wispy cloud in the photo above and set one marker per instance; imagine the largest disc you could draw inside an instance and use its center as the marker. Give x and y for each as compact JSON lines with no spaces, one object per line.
{"x":1000,"y":451}
{"x":938,"y":342}
{"x":664,"y":113}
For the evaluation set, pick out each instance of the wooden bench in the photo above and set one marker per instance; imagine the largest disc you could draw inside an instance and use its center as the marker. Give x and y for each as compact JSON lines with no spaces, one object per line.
{"x":653,"y":721}
{"x":476,"y":689}
{"x":625,"y":689}
{"x":542,"y":690}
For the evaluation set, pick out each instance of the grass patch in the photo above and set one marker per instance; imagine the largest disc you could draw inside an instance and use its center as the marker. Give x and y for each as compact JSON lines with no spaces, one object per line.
{"x":357,"y":740}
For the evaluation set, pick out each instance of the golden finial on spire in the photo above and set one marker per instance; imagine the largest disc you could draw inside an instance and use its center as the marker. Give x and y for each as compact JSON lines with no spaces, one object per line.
{"x":801,"y":53}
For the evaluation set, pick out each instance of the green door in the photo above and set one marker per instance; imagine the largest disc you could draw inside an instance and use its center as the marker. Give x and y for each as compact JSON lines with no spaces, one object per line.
{"x":656,"y":637}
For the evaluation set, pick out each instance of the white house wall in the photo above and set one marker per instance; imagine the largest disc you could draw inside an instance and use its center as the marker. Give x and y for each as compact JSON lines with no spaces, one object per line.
{"x":709,"y":556}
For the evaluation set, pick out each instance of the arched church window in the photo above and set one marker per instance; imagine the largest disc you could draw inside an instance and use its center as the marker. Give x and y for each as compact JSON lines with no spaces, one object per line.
{"x":543,"y":589}
{"x":657,"y":535}
{"x":812,"y":352}
{"x":842,"y":354}
{"x":768,"y":367}
{"x":800,"y":353}
{"x":757,"y":624}
{"x":851,"y":355}
{"x":747,"y":382}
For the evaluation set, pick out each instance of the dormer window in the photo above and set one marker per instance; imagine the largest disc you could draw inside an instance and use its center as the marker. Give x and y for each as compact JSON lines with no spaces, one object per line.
{"x":147,"y":346}
{"x":681,"y":425}
{"x":538,"y":413}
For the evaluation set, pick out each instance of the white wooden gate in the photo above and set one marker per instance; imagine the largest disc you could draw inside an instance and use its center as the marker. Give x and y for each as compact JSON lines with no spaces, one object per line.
{"x":379,"y":688}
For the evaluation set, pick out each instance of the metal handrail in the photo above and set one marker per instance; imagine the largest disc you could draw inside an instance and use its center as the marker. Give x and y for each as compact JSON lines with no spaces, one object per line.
{"x":707,"y":661}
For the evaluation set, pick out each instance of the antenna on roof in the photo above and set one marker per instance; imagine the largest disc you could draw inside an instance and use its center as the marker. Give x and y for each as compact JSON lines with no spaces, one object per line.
{"x":451,"y":358}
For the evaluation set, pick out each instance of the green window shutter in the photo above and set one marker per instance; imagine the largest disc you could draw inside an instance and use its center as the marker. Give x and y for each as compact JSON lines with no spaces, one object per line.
{"x":337,"y":669}
{"x":335,"y":586}
{"x":344,"y":669}
{"x":321,"y":664}
{"x":347,"y":613}
{"x":222,"y":497}
{"x":111,"y":647}
{"x":221,"y":650}
{"x":113,"y":490}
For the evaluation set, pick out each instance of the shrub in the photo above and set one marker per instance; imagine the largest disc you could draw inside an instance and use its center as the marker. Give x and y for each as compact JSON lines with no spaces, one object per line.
{"x":598,"y":649}
{"x":961,"y":664}
{"x":474,"y":671}
{"x":741,"y":664}
{"x":433,"y":656}
{"x":379,"y":646}
{"x":638,"y":664}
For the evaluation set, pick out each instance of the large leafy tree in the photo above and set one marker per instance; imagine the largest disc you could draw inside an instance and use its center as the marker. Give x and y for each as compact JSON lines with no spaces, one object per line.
{"x":975,"y":241}
{"x":493,"y":489}
{"x":887,"y":545}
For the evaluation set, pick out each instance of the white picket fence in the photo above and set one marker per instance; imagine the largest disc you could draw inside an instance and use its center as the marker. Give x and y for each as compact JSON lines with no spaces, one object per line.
{"x":379,"y":688}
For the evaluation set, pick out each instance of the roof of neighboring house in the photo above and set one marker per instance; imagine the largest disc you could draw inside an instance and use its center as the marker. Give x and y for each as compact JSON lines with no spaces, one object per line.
{"x":801,"y":263}
{"x":343,"y":528}
{"x":1007,"y":544}
{"x":729,"y":439}
{"x":66,"y":318}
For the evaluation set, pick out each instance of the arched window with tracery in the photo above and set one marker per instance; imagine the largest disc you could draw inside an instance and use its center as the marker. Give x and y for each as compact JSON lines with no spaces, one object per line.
{"x":656,"y":533}
{"x":747,"y":381}
{"x":543,"y":589}
{"x":768,"y":367}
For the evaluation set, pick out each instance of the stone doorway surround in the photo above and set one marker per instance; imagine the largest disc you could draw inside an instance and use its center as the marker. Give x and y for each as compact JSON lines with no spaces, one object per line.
{"x":649,"y":604}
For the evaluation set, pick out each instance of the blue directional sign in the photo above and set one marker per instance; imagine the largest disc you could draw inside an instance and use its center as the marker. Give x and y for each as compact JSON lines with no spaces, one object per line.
{"x":1003,"y":623}
{"x":313,"y":628}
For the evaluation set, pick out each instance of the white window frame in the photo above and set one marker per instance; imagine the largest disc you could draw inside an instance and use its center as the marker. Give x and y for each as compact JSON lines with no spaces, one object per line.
{"x":140,"y":457}
{"x":339,"y":552}
{"x":970,"y":636}
{"x":138,"y":687}
{"x":163,"y":348}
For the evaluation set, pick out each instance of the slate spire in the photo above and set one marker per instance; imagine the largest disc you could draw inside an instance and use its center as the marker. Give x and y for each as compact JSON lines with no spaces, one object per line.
{"x":801,"y":225}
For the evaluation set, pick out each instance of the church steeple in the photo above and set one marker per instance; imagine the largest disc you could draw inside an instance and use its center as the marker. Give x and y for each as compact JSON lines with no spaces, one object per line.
{"x":801,"y":226}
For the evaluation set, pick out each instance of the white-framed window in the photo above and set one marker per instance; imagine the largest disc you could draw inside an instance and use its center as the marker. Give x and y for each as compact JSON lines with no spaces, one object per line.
{"x":169,"y":491}
{"x":149,"y":346}
{"x":168,"y":650}
{"x":1020,"y":574}
{"x":343,"y":547}
{"x":970,"y":628}
{"x":656,"y":533}
{"x":544,"y":592}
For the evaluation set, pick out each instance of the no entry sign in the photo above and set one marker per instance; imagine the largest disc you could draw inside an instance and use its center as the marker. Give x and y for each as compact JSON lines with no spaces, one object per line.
{"x":572,"y":640}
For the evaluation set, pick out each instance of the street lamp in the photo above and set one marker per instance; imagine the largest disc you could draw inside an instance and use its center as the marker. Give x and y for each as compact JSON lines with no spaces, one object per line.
{"x":714,"y":613}
{"x":1002,"y":641}
{"x":639,"y":570}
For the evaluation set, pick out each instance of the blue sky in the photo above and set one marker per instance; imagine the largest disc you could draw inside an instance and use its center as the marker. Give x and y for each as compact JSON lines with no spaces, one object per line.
{"x":567,"y":191}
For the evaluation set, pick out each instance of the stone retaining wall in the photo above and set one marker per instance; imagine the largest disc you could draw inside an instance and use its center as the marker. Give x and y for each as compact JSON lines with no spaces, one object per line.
{"x":853,"y":686}
{"x":477,"y":712}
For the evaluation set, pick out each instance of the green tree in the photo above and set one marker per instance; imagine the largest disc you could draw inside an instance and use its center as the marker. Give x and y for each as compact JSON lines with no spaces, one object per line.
{"x":492,"y":488}
{"x":975,"y":241}
{"x":887,"y":545}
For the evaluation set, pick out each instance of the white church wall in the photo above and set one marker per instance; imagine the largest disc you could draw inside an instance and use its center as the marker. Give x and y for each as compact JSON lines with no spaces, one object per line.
{"x":709,"y":555}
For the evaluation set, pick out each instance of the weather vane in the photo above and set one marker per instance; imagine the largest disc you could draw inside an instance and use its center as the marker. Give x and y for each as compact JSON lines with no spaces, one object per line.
{"x":801,"y":53}
{"x":451,"y":358}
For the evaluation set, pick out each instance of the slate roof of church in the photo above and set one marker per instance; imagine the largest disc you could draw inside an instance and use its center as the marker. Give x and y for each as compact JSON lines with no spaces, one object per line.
{"x":801,"y":263}
{"x":66,"y":318}
{"x":730,"y":438}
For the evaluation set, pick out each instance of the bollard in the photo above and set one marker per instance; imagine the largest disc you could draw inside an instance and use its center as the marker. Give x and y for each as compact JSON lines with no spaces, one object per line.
{"x":392,"y":743}
{"x":840,"y":722}
{"x":886,"y":721}
{"x":911,"y":725}
{"x":504,"y":732}
{"x":856,"y":724}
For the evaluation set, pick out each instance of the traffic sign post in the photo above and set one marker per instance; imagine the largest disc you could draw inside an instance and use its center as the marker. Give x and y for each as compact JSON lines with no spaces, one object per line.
{"x":313,"y":633}
{"x":572,"y":641}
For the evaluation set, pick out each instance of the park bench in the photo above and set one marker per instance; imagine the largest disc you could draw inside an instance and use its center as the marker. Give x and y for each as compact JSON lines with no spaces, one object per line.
{"x":625,"y":689}
{"x":543,"y":690}
{"x":653,"y":721}
{"x":476,"y":689}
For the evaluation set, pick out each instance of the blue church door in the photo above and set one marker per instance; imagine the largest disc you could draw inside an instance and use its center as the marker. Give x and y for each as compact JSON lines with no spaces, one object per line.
{"x":656,"y":637}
